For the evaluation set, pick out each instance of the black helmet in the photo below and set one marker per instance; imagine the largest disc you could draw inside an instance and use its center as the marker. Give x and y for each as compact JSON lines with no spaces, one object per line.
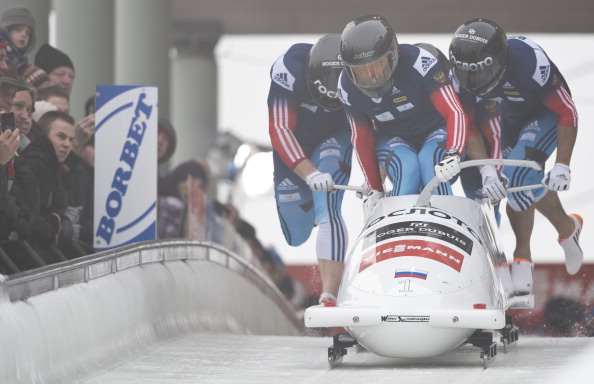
{"x":478,"y":52}
{"x":441,"y":58}
{"x":323,"y":69}
{"x":369,"y":49}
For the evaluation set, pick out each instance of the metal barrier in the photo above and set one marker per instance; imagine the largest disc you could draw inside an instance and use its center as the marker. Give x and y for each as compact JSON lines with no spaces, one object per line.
{"x":21,"y":286}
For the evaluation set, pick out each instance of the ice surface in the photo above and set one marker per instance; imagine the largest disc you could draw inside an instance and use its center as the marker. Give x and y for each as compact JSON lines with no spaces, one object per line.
{"x":212,"y":358}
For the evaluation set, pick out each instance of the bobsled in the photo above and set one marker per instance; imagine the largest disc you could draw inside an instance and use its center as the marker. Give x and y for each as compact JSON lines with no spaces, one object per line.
{"x":426,"y":275}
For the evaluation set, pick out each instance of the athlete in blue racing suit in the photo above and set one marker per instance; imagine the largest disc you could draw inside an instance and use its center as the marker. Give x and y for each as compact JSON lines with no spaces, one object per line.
{"x":312,"y":151}
{"x":537,"y":116}
{"x":403,"y":111}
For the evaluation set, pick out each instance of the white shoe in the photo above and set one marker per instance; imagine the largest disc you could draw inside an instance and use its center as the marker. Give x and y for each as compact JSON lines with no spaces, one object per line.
{"x":328,"y":300}
{"x":521,"y":273}
{"x":574,"y":256}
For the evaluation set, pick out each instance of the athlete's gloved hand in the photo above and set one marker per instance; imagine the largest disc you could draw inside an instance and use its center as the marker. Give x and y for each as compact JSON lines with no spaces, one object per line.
{"x":494,"y":183}
{"x":558,"y":178}
{"x":319,"y":181}
{"x":365,"y":189}
{"x":370,"y":201}
{"x":449,"y":166}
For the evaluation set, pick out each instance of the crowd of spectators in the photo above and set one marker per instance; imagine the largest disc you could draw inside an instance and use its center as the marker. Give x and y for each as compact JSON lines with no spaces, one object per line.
{"x":47,"y":170}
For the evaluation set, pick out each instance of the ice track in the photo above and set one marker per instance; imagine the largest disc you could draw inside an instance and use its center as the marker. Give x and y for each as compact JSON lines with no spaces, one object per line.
{"x":210,"y":358}
{"x":181,"y":312}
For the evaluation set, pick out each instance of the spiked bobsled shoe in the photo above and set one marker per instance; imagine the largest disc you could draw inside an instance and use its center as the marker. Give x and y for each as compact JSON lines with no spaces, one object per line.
{"x":574,"y":257}
{"x":521,"y":273}
{"x":328,"y":300}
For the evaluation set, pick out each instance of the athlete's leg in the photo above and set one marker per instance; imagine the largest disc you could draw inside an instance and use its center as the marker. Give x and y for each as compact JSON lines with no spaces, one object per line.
{"x":550,"y":207}
{"x":431,"y":153}
{"x":400,"y":162}
{"x":294,"y":204}
{"x":522,"y":223}
{"x":568,"y":227}
{"x":536,"y":141}
{"x":333,"y":155}
{"x":522,"y":267}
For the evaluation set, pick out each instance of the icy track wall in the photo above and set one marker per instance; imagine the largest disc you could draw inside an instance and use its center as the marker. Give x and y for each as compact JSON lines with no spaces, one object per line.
{"x":62,"y":323}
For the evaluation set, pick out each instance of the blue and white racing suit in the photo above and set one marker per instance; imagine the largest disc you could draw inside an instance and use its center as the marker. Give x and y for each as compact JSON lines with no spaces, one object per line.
{"x":300,"y":129}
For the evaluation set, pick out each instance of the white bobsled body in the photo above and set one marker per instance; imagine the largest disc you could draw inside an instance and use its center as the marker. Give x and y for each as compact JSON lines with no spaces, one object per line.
{"x":420,"y":280}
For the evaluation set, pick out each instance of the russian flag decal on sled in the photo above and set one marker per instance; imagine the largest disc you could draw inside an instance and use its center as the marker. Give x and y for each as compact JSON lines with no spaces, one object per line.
{"x":418,"y":274}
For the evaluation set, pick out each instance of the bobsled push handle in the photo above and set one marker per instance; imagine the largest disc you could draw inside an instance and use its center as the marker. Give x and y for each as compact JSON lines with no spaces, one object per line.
{"x":425,"y":195}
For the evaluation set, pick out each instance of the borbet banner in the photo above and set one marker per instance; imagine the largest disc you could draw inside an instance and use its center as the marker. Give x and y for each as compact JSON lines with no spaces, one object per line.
{"x":125,"y":165}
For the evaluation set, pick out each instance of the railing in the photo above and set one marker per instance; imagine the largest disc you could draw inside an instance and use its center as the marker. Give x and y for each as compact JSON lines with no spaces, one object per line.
{"x":24,"y":285}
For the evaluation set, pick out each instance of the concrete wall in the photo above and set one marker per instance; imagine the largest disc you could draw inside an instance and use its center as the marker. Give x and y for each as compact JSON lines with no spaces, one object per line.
{"x":61,"y":335}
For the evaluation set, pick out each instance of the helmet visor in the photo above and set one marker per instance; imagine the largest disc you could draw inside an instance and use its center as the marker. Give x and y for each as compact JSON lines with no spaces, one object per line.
{"x":372,"y":75}
{"x":479,"y":79}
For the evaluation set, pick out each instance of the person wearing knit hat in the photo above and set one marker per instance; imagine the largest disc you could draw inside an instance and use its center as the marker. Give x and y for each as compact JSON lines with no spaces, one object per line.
{"x":10,"y":83}
{"x":17,"y":28}
{"x":57,"y":65}
{"x":34,"y":76}
{"x":41,"y":107}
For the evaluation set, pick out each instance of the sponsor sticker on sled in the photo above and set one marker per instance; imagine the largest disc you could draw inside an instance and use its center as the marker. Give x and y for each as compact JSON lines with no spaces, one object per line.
{"x":404,"y":319}
{"x":414,"y":248}
{"x":420,"y":228}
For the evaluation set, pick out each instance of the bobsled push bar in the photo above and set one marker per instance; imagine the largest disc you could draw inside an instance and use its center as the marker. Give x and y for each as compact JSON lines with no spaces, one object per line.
{"x":425,"y":195}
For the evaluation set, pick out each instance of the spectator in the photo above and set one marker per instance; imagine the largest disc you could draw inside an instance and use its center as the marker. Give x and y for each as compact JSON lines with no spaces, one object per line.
{"x":79,"y":181}
{"x":17,"y":187}
{"x":22,"y":107}
{"x":174,"y":200}
{"x":166,"y":140}
{"x":34,"y":76}
{"x":60,"y":71}
{"x":41,"y":107}
{"x":57,"y":65}
{"x":55,"y":95}
{"x":50,"y":149}
{"x":10,"y":84}
{"x":17,"y":29}
{"x":9,"y":144}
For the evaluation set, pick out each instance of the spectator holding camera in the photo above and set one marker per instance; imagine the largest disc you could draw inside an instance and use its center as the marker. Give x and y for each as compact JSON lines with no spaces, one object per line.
{"x":9,"y":144}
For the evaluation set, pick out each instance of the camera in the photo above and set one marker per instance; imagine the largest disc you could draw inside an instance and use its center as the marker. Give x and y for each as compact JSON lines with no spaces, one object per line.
{"x":7,"y":121}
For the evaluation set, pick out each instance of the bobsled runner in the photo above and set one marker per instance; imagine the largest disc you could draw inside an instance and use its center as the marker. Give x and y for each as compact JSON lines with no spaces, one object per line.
{"x":426,"y":275}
